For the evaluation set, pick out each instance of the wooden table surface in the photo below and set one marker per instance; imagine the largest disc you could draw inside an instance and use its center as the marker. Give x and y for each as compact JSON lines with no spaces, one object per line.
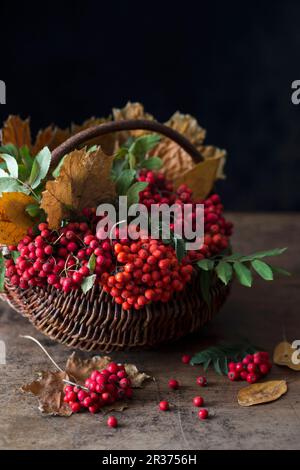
{"x":264,"y":314}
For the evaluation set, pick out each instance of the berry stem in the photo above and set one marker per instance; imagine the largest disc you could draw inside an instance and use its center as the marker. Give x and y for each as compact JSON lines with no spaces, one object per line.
{"x":43,"y":349}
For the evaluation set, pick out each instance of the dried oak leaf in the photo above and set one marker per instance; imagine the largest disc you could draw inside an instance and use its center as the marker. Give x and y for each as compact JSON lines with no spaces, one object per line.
{"x":49,"y":388}
{"x":282,"y":355}
{"x":84,"y":181}
{"x":16,"y":131}
{"x":262,"y":392}
{"x":14,"y":221}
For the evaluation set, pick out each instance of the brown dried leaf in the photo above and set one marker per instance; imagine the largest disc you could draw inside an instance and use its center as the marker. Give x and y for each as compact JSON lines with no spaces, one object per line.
{"x":84,"y":181}
{"x":16,"y":131}
{"x":50,"y":137}
{"x":282,"y":356}
{"x":137,"y":378}
{"x":81,"y":369}
{"x":201,"y":178}
{"x":49,"y":388}
{"x":262,"y":392}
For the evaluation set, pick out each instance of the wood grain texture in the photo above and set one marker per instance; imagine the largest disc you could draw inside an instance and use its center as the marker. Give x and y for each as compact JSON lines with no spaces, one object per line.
{"x":264,"y":314}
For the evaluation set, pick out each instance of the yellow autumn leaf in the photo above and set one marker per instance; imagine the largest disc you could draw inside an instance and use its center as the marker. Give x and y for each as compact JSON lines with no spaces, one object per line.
{"x":84,"y":181}
{"x":262,"y":392}
{"x":201,"y":178}
{"x":14,"y":221}
{"x":282,"y":355}
{"x":16,"y":131}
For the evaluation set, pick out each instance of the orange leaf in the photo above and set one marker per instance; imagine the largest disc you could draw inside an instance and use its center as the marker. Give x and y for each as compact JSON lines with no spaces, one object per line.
{"x":16,"y":131}
{"x":14,"y":221}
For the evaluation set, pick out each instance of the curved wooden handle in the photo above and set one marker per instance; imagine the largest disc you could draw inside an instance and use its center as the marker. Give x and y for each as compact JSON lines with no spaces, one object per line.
{"x":126,"y":125}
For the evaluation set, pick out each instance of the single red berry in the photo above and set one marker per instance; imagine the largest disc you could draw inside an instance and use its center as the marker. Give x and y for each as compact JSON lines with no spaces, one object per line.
{"x":239,"y":367}
{"x":87,"y":402}
{"x":82,"y":394}
{"x":231,"y":366}
{"x":124,"y":383}
{"x":68,"y":388}
{"x":174,"y":384}
{"x":252,"y":378}
{"x":71,"y":396}
{"x":164,"y":405}
{"x":186,"y":359}
{"x":264,"y":369}
{"x":75,"y":407}
{"x":112,"y":422}
{"x":233,"y":375}
{"x":94,"y":409}
{"x":201,"y":380}
{"x":203,"y":413}
{"x":198,"y":401}
{"x":112,"y":368}
{"x":252,"y":367}
{"x":244,"y":374}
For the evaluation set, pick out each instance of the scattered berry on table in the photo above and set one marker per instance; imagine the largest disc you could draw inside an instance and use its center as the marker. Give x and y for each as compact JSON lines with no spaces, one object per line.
{"x":198,"y":401}
{"x":164,"y":405}
{"x":201,"y":381}
{"x":174,"y":384}
{"x":203,"y":413}
{"x":112,"y":422}
{"x":186,"y":358}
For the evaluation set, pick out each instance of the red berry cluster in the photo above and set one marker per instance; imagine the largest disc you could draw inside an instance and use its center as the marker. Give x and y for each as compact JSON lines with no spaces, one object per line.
{"x":147,"y":270}
{"x":104,"y":388}
{"x":158,"y":191}
{"x":251,"y":368}
{"x":217,"y":230}
{"x":58,"y":258}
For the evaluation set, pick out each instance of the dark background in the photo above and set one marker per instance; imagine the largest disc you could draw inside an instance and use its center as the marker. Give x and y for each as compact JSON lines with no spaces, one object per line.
{"x":229,"y":64}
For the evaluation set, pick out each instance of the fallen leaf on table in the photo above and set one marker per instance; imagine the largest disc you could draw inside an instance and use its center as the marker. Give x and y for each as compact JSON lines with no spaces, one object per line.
{"x":263,"y":392}
{"x":49,"y":387}
{"x":84,"y":181}
{"x":14,"y":220}
{"x":282,"y":355}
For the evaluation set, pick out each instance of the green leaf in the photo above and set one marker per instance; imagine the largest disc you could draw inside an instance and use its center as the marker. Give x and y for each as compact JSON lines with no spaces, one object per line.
{"x":93,"y":148}
{"x":119,"y":164}
{"x":142,"y":145}
{"x":205,"y":284}
{"x":263,"y":269}
{"x":218,"y":356}
{"x":33,"y":210}
{"x":243,"y":274}
{"x":15,"y":255}
{"x":11,"y":164}
{"x":152,"y":163}
{"x":134,"y":191}
{"x":92,"y":263}
{"x":224,"y":271}
{"x":3,"y":174}
{"x":206,"y":264}
{"x":26,"y":158}
{"x":9,"y":185}
{"x":281,"y":271}
{"x":88,"y":283}
{"x":40,"y":167}
{"x":233,"y":257}
{"x":23,"y":172}
{"x":263,"y":254}
{"x":131,"y":160}
{"x":124,"y":181}
{"x":10,"y":149}
{"x":179,"y":248}
{"x":56,"y":171}
{"x":2,"y":272}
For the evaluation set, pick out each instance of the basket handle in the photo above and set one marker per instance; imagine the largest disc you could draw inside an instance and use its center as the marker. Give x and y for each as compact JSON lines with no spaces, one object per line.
{"x":126,"y":125}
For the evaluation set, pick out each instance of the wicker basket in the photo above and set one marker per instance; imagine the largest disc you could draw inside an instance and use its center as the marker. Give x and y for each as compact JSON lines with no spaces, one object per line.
{"x":93,"y":321}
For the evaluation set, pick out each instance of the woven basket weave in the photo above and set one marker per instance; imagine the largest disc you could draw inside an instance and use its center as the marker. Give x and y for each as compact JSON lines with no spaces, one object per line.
{"x":93,"y":321}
